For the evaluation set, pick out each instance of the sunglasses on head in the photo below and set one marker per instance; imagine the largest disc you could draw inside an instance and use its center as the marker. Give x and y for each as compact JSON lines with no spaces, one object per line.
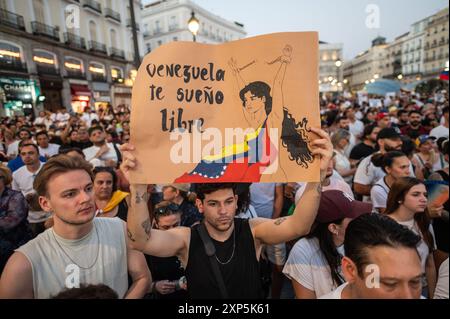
{"x":163,"y":210}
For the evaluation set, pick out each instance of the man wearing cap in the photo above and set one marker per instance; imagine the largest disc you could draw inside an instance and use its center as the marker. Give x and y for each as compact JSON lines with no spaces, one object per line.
{"x":383,"y":120}
{"x":415,"y":128}
{"x":178,"y":194}
{"x":425,"y":159}
{"x":368,"y":174}
{"x":314,"y":262}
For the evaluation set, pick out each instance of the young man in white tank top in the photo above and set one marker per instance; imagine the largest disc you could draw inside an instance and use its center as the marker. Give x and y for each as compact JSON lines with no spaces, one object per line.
{"x":78,"y":249}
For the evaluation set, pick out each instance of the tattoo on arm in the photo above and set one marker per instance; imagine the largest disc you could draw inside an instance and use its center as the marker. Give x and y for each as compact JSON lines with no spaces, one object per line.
{"x":280,"y":220}
{"x":130,"y":235}
{"x":141,"y":198}
{"x":147,"y":226}
{"x":319,"y":188}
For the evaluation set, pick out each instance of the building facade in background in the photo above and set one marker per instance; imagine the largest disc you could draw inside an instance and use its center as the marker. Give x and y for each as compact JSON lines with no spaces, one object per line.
{"x":436,"y":44}
{"x":167,"y":21}
{"x":330,"y":67}
{"x":65,"y":53}
{"x":413,"y":52}
{"x":393,"y":68}
{"x":366,"y":67}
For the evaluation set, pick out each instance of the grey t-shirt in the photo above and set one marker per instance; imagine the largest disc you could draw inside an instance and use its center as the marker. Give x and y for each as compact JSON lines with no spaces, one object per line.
{"x":98,"y":257}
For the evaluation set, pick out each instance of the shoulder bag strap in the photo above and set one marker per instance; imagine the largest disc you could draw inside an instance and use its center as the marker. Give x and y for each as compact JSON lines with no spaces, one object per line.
{"x":210,"y":252}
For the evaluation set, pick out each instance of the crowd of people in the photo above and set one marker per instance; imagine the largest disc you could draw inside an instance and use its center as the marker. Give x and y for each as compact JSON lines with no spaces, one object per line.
{"x":72,"y":226}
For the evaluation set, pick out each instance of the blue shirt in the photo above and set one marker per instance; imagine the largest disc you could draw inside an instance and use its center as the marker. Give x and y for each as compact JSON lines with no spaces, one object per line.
{"x":17,"y":163}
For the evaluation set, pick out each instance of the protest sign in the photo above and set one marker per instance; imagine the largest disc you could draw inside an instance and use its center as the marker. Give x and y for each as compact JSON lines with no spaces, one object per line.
{"x":234,"y":112}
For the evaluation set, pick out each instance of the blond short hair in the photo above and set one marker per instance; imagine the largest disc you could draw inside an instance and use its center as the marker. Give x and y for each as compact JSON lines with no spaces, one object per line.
{"x":57,"y":165}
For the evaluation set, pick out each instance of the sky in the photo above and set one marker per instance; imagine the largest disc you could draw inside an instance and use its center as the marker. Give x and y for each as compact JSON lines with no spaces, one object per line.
{"x":337,"y":21}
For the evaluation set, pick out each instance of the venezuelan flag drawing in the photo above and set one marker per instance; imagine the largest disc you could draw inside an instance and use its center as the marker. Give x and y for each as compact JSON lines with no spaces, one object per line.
{"x":238,"y":162}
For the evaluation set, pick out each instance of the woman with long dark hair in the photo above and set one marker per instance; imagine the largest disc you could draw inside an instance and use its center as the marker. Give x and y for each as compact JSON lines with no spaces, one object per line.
{"x":396,"y":165}
{"x":314,"y":262}
{"x":407,"y":204}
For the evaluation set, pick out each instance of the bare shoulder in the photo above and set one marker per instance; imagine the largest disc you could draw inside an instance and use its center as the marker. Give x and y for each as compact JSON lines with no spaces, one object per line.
{"x":17,"y":278}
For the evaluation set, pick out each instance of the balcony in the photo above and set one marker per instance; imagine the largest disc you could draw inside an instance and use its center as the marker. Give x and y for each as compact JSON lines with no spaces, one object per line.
{"x":129,"y":25}
{"x":75,"y":74}
{"x":74,"y":40}
{"x":45,"y":30}
{"x":93,"y":5}
{"x":98,"y":47}
{"x":146,"y":34}
{"x":109,"y":13}
{"x":116,"y":53}
{"x":46,"y":70}
{"x":440,"y":56}
{"x":11,"y":20}
{"x":98,"y":77}
{"x":13,"y":65}
{"x":173,"y":27}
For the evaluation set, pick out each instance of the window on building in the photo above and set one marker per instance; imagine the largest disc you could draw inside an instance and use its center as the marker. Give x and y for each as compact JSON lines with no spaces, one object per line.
{"x":98,"y":71}
{"x":45,"y":58}
{"x":160,"y":42}
{"x":173,"y":23}
{"x":175,"y":39}
{"x":117,"y":74}
{"x":73,"y":65}
{"x":157,"y":26}
{"x":93,"y":30}
{"x":3,"y":5}
{"x":149,"y":47}
{"x":38,"y":8}
{"x":10,"y":56}
{"x":113,"y":38}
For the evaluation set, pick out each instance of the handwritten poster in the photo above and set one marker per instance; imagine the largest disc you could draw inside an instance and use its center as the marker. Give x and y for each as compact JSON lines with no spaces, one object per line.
{"x":234,"y":112}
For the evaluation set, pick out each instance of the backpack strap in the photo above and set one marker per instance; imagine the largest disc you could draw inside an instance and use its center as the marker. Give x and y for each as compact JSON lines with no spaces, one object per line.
{"x":211,"y":253}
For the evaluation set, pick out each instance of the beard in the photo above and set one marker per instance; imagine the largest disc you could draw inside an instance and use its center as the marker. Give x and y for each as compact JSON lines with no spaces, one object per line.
{"x":388,"y":148}
{"x":415,"y":123}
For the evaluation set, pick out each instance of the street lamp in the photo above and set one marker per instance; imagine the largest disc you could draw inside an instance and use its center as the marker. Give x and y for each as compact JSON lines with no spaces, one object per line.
{"x":338,"y":63}
{"x":193,"y":25}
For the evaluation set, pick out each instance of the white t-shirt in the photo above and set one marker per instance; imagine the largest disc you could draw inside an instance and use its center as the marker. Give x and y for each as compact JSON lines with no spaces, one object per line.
{"x":60,"y":117}
{"x":335,"y":294}
{"x":439,"y":131}
{"x":90,"y":152}
{"x":441,"y":291}
{"x":23,"y":179}
{"x":369,"y":174}
{"x":88,"y":117}
{"x":379,"y":194}
{"x":357,"y":128}
{"x":343,"y":164}
{"x":422,"y":247}
{"x":13,"y":148}
{"x":51,"y":150}
{"x":307,"y":265}
{"x":336,"y":183}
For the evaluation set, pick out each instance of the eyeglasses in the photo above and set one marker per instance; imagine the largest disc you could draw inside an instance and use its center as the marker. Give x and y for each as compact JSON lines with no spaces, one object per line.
{"x":163,"y":210}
